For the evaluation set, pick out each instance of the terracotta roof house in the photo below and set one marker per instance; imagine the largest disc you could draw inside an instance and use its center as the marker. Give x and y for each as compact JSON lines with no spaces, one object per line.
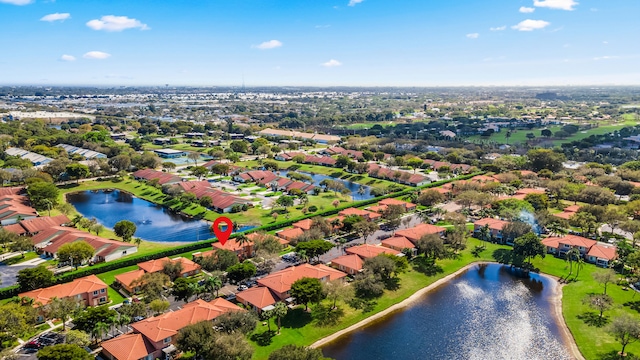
{"x":495,"y":227}
{"x":162,"y":177}
{"x":522,"y":193}
{"x":220,"y":201}
{"x":243,"y":251}
{"x":602,"y":254}
{"x":290,"y":234}
{"x":14,"y":208}
{"x":287,"y":156}
{"x":48,"y":241}
{"x":568,"y":212}
{"x":258,"y":298}
{"x":406,"y":205}
{"x":303,"y":224}
{"x":160,"y":331}
{"x":189,"y":267}
{"x":33,"y":226}
{"x":350,"y":264}
{"x":398,"y":243}
{"x":367,"y":215}
{"x":415,"y":233}
{"x":125,"y":280}
{"x":592,"y":251}
{"x":89,"y":290}
{"x":367,"y":251}
{"x":561,"y":245}
{"x":400,"y":176}
{"x":127,"y":347}
{"x":280,"y":282}
{"x":320,"y":160}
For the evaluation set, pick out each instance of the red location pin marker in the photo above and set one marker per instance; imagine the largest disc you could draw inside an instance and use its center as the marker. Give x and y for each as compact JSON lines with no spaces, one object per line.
{"x":222,"y":236}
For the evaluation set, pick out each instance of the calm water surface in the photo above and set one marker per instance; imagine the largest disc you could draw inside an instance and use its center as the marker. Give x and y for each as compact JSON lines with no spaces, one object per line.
{"x":352,"y":186}
{"x":485,"y":313}
{"x":154,"y":222}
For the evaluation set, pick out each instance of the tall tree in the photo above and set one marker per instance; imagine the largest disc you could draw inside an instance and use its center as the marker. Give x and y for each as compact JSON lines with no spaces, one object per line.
{"x":77,"y":171}
{"x":63,"y":309}
{"x":280,"y":310}
{"x":35,"y":278}
{"x":625,"y":330}
{"x":63,"y":352}
{"x":75,"y":253}
{"x":125,"y":229}
{"x":528,"y":246}
{"x":295,"y":352}
{"x":307,"y":290}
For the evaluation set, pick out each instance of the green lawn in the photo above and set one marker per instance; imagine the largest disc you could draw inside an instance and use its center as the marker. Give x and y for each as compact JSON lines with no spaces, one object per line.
{"x":520,"y":135}
{"x":109,"y":277}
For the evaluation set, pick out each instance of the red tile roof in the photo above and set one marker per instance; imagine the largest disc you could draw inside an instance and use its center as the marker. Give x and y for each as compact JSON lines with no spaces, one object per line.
{"x":35,"y":225}
{"x":129,"y":277}
{"x":359,"y":212}
{"x":571,"y":240}
{"x":163,"y":177}
{"x":289,"y":234}
{"x":161,"y":327}
{"x":259,"y":297}
{"x":602,"y":251}
{"x":398,"y":242}
{"x":128,"y":347}
{"x":231,"y":245}
{"x":391,"y":201}
{"x":303,"y":224}
{"x":76,"y":287}
{"x":367,"y":251}
{"x":494,"y":224}
{"x":280,"y":281}
{"x":415,"y":233}
{"x":351,"y":261}
{"x":156,"y":265}
{"x":51,"y":239}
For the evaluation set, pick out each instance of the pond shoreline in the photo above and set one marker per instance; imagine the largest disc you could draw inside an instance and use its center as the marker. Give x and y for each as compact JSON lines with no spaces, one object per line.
{"x":555,"y":300}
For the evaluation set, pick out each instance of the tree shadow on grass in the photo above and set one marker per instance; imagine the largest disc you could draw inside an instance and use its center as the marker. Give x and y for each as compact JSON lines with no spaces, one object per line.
{"x":615,"y":355}
{"x":503,"y":256}
{"x":296,"y":318}
{"x":325,"y":316}
{"x":263,"y":338}
{"x":634,"y":305}
{"x":426,"y":266}
{"x":392,"y":284}
{"x":593,"y":319}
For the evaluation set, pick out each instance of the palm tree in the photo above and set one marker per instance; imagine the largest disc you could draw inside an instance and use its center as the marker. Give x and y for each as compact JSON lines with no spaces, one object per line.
{"x":556,"y":229}
{"x":99,"y":329}
{"x":137,"y":241}
{"x":213,"y":283}
{"x":302,"y":254}
{"x":280,"y":310}
{"x":484,"y":234}
{"x":579,"y":266}
{"x":571,"y":256}
{"x":124,"y":320}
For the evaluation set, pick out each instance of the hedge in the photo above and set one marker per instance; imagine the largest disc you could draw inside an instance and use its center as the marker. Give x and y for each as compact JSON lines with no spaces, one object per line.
{"x":206,"y":244}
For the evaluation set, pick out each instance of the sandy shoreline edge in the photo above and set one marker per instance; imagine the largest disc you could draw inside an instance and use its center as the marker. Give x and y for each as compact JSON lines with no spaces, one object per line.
{"x":556,"y":308}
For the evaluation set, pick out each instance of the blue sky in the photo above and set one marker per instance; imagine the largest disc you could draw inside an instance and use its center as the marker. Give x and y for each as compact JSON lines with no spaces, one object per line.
{"x":320,"y":42}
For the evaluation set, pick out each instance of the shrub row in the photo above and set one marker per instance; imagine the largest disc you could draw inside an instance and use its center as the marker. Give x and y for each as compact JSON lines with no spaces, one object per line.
{"x":201,"y":245}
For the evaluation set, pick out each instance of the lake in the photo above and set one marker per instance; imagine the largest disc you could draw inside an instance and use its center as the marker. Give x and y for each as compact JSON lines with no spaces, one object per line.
{"x":485,"y":313}
{"x":316,"y":179}
{"x":154,"y":223}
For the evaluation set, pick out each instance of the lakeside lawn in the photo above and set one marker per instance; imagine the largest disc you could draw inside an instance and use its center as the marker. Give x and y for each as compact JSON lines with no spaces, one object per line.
{"x":593,"y":340}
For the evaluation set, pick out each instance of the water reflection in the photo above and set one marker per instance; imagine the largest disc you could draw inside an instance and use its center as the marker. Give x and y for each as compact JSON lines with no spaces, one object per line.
{"x":154,"y":223}
{"x":355,"y":188}
{"x":486,"y":313}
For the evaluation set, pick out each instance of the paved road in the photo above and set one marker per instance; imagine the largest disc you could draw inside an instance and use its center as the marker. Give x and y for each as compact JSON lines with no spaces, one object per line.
{"x":9,"y":274}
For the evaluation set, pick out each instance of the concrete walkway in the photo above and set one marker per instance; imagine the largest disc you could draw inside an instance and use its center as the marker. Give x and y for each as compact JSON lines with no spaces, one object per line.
{"x":32,"y":262}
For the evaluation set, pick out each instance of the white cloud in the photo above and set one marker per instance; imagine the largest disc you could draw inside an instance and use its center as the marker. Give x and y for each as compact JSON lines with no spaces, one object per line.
{"x":499,"y":28}
{"x":556,"y":4}
{"x":530,"y":25}
{"x":98,"y":55}
{"x":116,"y":23}
{"x":332,"y":63}
{"x":526,"y":10}
{"x":354,"y":2}
{"x":606,"y":57}
{"x":66,"y":57}
{"x":56,"y":17}
{"x":322,"y":26}
{"x":271,"y":44}
{"x":16,"y":2}
{"x":473,"y":36}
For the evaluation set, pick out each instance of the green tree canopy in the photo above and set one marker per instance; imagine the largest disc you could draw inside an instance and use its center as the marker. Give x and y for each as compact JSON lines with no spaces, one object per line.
{"x":307,"y":290}
{"x":125,"y":229}
{"x":64,"y":352}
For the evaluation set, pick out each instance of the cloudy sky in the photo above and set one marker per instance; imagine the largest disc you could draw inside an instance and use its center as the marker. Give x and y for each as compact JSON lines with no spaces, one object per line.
{"x":320,"y":42}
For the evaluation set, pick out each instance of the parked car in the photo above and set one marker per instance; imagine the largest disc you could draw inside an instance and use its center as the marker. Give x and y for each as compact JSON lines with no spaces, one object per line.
{"x":242,"y":288}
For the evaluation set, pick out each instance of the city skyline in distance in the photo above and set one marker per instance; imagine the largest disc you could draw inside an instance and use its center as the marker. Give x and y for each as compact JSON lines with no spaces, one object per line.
{"x":326,"y":43}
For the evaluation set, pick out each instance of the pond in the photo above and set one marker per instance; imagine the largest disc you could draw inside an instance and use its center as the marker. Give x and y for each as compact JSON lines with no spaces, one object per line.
{"x":365,"y":194}
{"x":488,"y":312}
{"x":154,"y":223}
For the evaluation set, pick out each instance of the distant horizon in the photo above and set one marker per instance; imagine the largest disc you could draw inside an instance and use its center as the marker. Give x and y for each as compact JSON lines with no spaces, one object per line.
{"x":363,"y":43}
